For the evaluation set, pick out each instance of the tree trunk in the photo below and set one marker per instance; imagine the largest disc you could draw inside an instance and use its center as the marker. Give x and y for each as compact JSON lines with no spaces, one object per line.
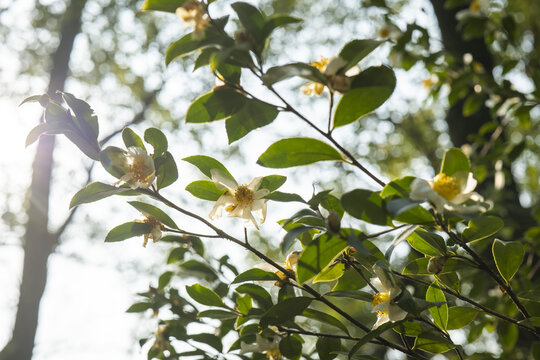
{"x":38,"y":241}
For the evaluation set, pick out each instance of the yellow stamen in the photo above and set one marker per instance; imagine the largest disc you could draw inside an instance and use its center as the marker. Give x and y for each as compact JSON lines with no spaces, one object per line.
{"x":379,"y":298}
{"x":273,"y":354}
{"x":321,"y":63}
{"x":243,"y":195}
{"x":231,"y":208}
{"x":139,"y":170}
{"x":381,"y":313}
{"x":446,"y":186}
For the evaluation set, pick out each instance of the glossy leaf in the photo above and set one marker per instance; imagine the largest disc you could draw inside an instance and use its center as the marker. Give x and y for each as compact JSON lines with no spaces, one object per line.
{"x":331,"y":273}
{"x":112,"y":159}
{"x":258,"y":293}
{"x":217,"y":314}
{"x":208,"y":339}
{"x":157,"y":139}
{"x":325,"y":318}
{"x":356,"y":50}
{"x":205,"y":189}
{"x":290,"y":347}
{"x":96,"y":191}
{"x":454,"y":161}
{"x":126,"y":231}
{"x":427,"y":243}
{"x":255,"y":275}
{"x":370,"y":336}
{"x":162,"y":5}
{"x":460,"y":316}
{"x":508,"y":257}
{"x":482,"y":227}
{"x":166,"y":170}
{"x":139,"y":307}
{"x":251,"y":18}
{"x":296,"y":152}
{"x":439,"y":313}
{"x":216,"y":105}
{"x":285,"y":310}
{"x":419,"y":266}
{"x":272,"y":182}
{"x":369,"y":90}
{"x":132,"y":139}
{"x":206,"y":163}
{"x":188,"y":45}
{"x":284,"y":197}
{"x":156,"y":212}
{"x":366,"y":205}
{"x":274,"y":21}
{"x":279,"y":73}
{"x":352,"y":294}
{"x":317,"y":255}
{"x":327,"y":347}
{"x":204,"y":295}
{"x":433,"y":343}
{"x":253,"y":115}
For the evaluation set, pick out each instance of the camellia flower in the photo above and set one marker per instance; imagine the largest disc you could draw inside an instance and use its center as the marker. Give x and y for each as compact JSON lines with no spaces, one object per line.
{"x":193,"y":13}
{"x":449,"y":192}
{"x":155,"y":228}
{"x":268,"y":346}
{"x":239,"y":200}
{"x":329,"y":68}
{"x":383,"y":301}
{"x":141,"y":171}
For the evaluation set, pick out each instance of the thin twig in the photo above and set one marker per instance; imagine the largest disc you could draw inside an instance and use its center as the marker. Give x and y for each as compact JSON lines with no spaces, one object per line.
{"x":191,"y":233}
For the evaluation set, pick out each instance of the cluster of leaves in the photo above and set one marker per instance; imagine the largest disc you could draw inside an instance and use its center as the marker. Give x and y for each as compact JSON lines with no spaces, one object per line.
{"x":327,"y":285}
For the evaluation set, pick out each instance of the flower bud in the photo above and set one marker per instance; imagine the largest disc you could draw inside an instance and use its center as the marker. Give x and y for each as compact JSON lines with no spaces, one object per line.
{"x":436,"y":264}
{"x":333,"y":222}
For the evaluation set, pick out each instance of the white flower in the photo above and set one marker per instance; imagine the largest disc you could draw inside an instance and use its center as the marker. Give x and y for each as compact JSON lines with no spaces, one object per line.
{"x":155,"y":228}
{"x":329,"y":68}
{"x":193,"y":13}
{"x":239,"y":200}
{"x":270,"y":346}
{"x":141,"y":171}
{"x":383,"y":301}
{"x":449,"y":192}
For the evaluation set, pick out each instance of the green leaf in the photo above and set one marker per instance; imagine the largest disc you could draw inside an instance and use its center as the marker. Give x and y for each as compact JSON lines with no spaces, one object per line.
{"x":85,"y":119}
{"x":285,"y":310}
{"x":132,"y":139}
{"x":284,"y":197}
{"x":419,"y":266}
{"x":126,"y":231}
{"x":204,"y":295}
{"x":439,"y":313}
{"x":205,"y":189}
{"x":205,"y":164}
{"x":327,"y":347}
{"x":293,"y":234}
{"x":43,"y":129}
{"x":159,"y":214}
{"x":95,"y":191}
{"x":215,"y":105}
{"x":162,"y":5}
{"x":297,"y":151}
{"x":166,"y":170}
{"x":272,"y":182}
{"x":208,"y":339}
{"x":251,"y":19}
{"x":255,"y":275}
{"x":139,"y":307}
{"x":454,"y":161}
{"x":460,"y":316}
{"x":258,"y":293}
{"x":253,"y":115}
{"x":356,"y":50}
{"x":199,"y":269}
{"x":409,"y":328}
{"x":244,"y":304}
{"x":508,"y":257}
{"x":433,"y":343}
{"x":277,"y":20}
{"x":164,"y":279}
{"x":482,"y":228}
{"x":398,"y":188}
{"x":35,"y":98}
{"x":508,"y":335}
{"x":217,"y":314}
{"x":188,"y":44}
{"x":157,"y":139}
{"x":371,"y":335}
{"x":176,"y":254}
{"x":290,"y":347}
{"x":352,"y":294}
{"x":111,"y":157}
{"x":427,"y":243}
{"x":317,"y":255}
{"x":473,"y":103}
{"x":279,"y":73}
{"x":369,"y":90}
{"x":325,"y":318}
{"x":366,"y":205}
{"x":331,"y":273}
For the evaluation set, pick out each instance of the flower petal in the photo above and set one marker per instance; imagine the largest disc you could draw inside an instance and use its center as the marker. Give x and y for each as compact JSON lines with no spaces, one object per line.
{"x":223,"y":181}
{"x":255,"y":183}
{"x":395,"y":313}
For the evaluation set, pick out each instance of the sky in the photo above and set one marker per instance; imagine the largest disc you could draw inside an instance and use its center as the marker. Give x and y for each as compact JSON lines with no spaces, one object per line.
{"x":91,"y":284}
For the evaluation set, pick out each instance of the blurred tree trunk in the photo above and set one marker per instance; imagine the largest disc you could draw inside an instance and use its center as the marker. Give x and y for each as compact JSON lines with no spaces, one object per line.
{"x":38,"y":242}
{"x":461,"y":127}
